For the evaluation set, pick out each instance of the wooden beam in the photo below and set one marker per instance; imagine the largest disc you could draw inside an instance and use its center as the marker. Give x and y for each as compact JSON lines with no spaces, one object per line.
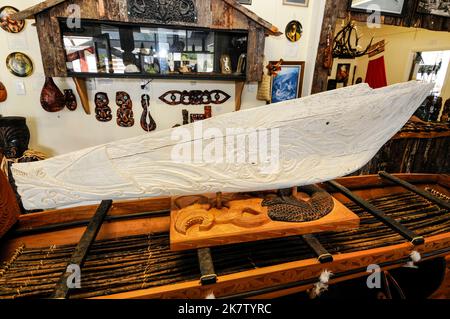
{"x":30,"y":12}
{"x":272,"y":30}
{"x":80,"y":253}
{"x":82,"y":92}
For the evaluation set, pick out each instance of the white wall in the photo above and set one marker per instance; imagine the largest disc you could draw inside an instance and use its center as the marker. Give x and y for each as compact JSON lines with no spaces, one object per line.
{"x":68,"y":131}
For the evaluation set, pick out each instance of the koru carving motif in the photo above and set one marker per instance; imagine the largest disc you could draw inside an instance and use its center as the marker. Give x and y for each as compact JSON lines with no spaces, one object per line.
{"x":289,"y":209}
{"x":195,"y":97}
{"x":103,"y":112}
{"x":148,"y":124}
{"x":125,"y":111}
{"x":164,"y":11}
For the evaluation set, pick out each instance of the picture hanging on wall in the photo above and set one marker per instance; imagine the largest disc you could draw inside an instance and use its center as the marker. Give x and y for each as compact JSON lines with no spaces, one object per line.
{"x":19,"y":64}
{"x":245,"y":2}
{"x":394,"y":8}
{"x":343,"y":72}
{"x":8,"y":24}
{"x":301,"y":3}
{"x":287,"y":85}
{"x":294,"y":30}
{"x":436,"y":7}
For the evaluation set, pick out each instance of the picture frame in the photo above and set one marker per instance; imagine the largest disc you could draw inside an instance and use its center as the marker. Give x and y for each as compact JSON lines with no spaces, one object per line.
{"x":437,"y":8}
{"x":288,"y":83}
{"x":247,"y":2}
{"x":395,"y":8}
{"x":299,"y":3}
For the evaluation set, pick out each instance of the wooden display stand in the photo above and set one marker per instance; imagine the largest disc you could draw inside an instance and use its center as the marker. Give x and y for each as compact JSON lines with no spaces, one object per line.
{"x":194,"y":225}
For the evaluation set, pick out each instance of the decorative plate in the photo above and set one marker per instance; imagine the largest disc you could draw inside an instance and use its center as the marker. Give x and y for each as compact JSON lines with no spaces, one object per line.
{"x":19,"y":64}
{"x":294,"y":31}
{"x":8,"y":24}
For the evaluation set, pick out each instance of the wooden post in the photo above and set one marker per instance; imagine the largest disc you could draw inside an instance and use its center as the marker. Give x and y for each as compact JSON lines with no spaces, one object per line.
{"x":82,"y":92}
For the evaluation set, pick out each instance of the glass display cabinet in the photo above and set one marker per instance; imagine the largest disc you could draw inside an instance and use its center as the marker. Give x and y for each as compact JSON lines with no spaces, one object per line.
{"x":152,"y":51}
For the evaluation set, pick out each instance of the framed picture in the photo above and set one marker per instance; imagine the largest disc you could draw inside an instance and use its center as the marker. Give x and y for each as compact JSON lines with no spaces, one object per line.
{"x":245,"y":1}
{"x":436,"y":7}
{"x":393,"y":8}
{"x":288,"y":83}
{"x":343,"y":72}
{"x":301,"y":3}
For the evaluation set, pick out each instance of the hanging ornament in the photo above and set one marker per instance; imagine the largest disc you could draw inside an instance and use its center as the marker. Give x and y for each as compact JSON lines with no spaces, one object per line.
{"x":148,"y":124}
{"x":8,"y":24}
{"x":343,"y":48}
{"x":294,"y":30}
{"x":103,"y":112}
{"x":3,"y":93}
{"x":52,"y":99}
{"x":125,"y":111}
{"x":71,"y":100}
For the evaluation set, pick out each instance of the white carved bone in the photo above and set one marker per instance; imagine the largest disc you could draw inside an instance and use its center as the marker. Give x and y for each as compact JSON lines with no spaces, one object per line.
{"x":321,"y":137}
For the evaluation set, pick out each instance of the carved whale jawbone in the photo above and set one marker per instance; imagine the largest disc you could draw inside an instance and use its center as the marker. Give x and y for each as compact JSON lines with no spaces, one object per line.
{"x":318,"y":138}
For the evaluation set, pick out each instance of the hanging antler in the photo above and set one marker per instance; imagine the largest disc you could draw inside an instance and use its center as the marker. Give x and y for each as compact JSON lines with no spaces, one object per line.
{"x":343,"y":47}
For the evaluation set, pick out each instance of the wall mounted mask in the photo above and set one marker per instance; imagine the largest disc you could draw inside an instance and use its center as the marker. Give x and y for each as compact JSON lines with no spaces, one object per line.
{"x":103,"y":112}
{"x":8,"y":24}
{"x":52,"y":99}
{"x":71,"y":100}
{"x":125,"y":111}
{"x":3,"y":93}
{"x":148,"y":124}
{"x":14,"y":136}
{"x":194,"y":97}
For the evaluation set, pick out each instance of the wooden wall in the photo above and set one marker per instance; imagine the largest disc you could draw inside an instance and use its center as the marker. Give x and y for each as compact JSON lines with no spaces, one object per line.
{"x":214,"y":14}
{"x":338,"y":9}
{"x":411,"y":155}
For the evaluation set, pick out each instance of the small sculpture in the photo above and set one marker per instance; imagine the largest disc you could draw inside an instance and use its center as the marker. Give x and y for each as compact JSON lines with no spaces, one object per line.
{"x":71,"y":100}
{"x":147,"y":121}
{"x":103,"y":112}
{"x":208,"y":111}
{"x":225,"y":64}
{"x":52,"y":99}
{"x":125,"y":111}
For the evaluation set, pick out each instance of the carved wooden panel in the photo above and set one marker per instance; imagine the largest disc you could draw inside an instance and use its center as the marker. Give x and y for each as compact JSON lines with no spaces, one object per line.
{"x":164,"y":11}
{"x":9,"y":210}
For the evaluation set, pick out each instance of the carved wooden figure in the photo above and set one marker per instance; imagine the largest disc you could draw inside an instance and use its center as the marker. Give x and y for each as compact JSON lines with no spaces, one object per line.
{"x":148,"y":124}
{"x":125,"y":111}
{"x":52,"y":99}
{"x":71,"y":100}
{"x":103,"y":112}
{"x":14,"y":136}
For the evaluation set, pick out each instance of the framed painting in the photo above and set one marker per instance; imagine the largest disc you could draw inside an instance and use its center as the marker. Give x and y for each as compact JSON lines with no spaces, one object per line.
{"x":245,"y":2}
{"x":436,"y":7}
{"x":392,"y":8}
{"x":288,"y":83}
{"x":301,"y":3}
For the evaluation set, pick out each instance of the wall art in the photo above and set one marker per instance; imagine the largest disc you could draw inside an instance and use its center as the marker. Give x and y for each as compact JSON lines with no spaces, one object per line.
{"x":436,"y":7}
{"x":71,"y":100}
{"x":249,"y":2}
{"x":148,"y":124}
{"x":225,"y":64}
{"x":197,"y":117}
{"x":8,"y":24}
{"x":301,"y":3}
{"x":103,"y":112}
{"x":294,"y":31}
{"x":164,"y":11}
{"x":194,"y":97}
{"x":393,"y":7}
{"x":343,"y":72}
{"x":287,"y":84}
{"x":52,"y":99}
{"x":125,"y":111}
{"x":3,"y":93}
{"x":19,"y":64}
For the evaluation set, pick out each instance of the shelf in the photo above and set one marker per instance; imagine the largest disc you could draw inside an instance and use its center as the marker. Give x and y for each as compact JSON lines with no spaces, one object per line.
{"x":187,"y":76}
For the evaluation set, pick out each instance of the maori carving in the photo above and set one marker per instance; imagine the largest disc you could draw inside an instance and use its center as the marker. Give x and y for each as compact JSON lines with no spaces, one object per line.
{"x":164,"y":11}
{"x":318,"y":138}
{"x":3,"y":93}
{"x":9,"y":209}
{"x":148,"y":124}
{"x":52,"y":99}
{"x":71,"y":100}
{"x":103,"y":112}
{"x":125,"y":111}
{"x":290,"y":209}
{"x":194,"y":97}
{"x":14,"y":136}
